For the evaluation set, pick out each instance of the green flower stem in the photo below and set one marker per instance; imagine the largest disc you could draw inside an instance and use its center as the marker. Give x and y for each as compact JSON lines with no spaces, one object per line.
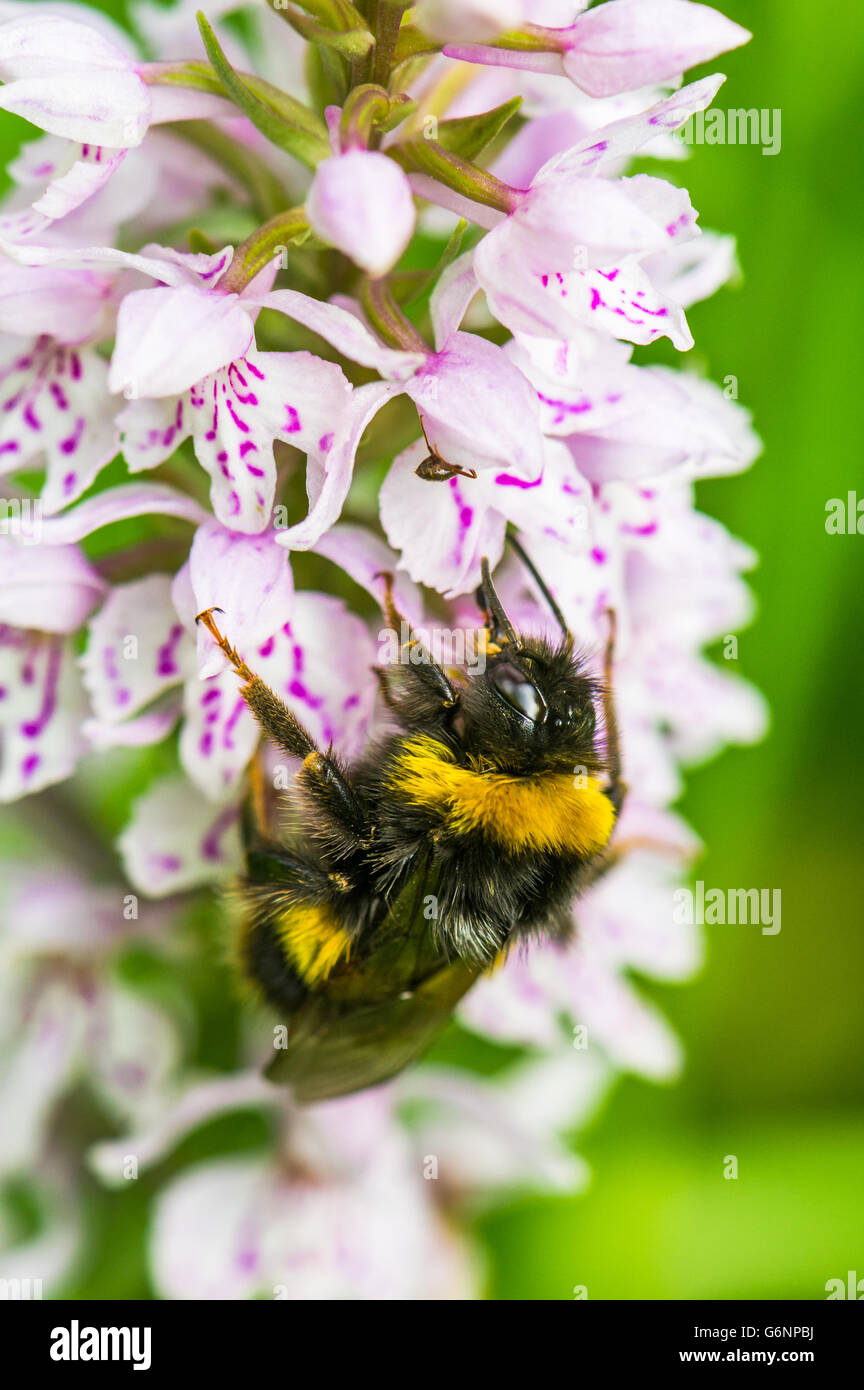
{"x":429,"y":157}
{"x":366,"y":108}
{"x":259,"y":249}
{"x":388,"y":319}
{"x":353,"y":43}
{"x":388,"y":21}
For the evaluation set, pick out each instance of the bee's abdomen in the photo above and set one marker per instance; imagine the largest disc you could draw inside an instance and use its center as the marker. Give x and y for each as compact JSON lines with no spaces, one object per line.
{"x":263,"y":963}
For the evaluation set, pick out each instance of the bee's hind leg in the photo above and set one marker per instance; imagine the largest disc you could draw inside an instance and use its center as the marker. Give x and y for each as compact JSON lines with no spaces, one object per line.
{"x":329,"y":804}
{"x":617,"y":788}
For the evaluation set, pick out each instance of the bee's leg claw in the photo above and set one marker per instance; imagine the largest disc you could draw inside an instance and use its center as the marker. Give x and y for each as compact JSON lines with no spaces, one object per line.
{"x":233,"y":656}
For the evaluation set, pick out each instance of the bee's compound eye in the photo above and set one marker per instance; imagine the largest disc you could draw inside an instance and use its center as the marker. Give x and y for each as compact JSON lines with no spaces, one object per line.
{"x":519,"y":693}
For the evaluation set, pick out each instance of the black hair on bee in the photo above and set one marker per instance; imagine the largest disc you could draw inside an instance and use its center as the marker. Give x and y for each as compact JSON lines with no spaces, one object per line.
{"x":467,"y":828}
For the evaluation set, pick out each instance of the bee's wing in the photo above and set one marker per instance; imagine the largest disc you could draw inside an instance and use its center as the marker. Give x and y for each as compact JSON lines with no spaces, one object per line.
{"x":379,"y":1014}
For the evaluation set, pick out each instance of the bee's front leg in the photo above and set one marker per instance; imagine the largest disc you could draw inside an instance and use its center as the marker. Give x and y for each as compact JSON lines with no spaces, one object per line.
{"x":333,"y":811}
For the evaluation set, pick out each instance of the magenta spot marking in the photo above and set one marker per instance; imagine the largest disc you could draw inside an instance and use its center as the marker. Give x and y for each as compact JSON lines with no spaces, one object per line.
{"x":210,"y":695}
{"x":248,"y":447}
{"x":564,"y":408}
{"x":75,"y":363}
{"x":234,"y":499}
{"x":30,"y":418}
{"x":205,"y":745}
{"x":507,"y":480}
{"x":71,"y":444}
{"x":241,"y":424}
{"x":208,"y":274}
{"x":227,"y":739}
{"x":596,"y":299}
{"x":9,"y":446}
{"x":598,"y":556}
{"x":29,"y":765}
{"x":299,"y":691}
{"x":292,"y":424}
{"x":653,"y":313}
{"x":267,"y":649}
{"x":210,"y":846}
{"x":122,"y":696}
{"x":168,"y":863}
{"x":59,"y":395}
{"x":256,"y":473}
{"x":166,"y":664}
{"x":297,"y":654}
{"x":33,"y":728}
{"x":325,"y":443}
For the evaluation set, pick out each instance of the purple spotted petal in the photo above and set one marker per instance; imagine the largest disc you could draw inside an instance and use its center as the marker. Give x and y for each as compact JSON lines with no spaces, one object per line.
{"x":332,"y":698}
{"x":441,"y":530}
{"x":177,"y":839}
{"x":55,"y":412}
{"x":249,"y":578}
{"x":238,"y":413}
{"x":330,"y":467}
{"x":41,"y":708}
{"x":137,"y":649}
{"x":477,"y":409}
{"x":611,"y":143}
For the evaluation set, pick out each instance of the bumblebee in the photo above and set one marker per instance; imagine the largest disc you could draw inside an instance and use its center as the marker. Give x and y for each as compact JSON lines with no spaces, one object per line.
{"x":466,"y":830}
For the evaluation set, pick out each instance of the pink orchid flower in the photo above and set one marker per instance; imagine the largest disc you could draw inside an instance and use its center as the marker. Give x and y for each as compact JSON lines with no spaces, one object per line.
{"x":622,"y":45}
{"x":570,"y":253}
{"x":361,"y":202}
{"x":476,"y":409}
{"x":75,"y":80}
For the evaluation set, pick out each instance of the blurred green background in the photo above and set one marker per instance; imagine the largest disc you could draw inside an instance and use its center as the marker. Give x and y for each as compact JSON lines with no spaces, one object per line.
{"x":773,"y":1028}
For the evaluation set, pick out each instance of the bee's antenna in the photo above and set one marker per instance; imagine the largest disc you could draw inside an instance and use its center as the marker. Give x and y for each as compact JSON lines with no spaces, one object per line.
{"x":541,"y":585}
{"x":495,"y":608}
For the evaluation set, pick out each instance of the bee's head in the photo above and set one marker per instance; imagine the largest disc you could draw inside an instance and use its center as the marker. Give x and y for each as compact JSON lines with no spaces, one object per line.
{"x":532,"y":705}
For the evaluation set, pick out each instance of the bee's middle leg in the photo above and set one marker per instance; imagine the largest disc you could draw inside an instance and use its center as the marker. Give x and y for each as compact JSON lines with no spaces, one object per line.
{"x":417,"y":690}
